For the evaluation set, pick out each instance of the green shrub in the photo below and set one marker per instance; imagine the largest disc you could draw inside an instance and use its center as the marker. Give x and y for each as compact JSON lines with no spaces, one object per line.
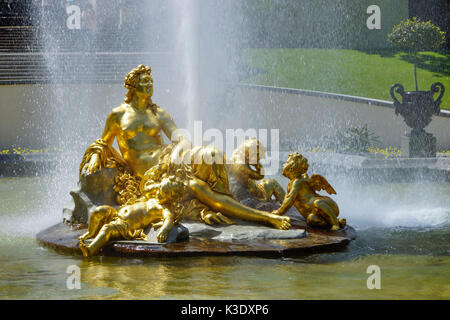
{"x":352,"y":140}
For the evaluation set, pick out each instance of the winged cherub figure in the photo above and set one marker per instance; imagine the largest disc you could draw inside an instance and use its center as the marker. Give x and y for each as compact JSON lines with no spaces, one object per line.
{"x":319,"y":211}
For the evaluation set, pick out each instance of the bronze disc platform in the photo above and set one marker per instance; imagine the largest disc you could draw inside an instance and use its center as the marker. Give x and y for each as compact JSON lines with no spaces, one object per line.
{"x":63,"y":238}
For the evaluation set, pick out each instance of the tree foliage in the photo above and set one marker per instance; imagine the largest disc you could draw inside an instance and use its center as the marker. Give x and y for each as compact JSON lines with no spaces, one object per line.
{"x":414,"y":35}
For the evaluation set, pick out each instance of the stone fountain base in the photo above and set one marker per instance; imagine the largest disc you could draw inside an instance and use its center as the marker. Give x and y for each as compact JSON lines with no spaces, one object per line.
{"x":197,"y":239}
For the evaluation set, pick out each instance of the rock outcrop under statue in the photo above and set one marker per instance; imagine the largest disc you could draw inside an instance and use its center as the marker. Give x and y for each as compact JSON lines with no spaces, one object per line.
{"x":91,"y":191}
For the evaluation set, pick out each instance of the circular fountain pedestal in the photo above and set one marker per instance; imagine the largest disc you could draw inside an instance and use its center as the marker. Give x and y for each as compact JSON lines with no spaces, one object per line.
{"x":204,"y":240}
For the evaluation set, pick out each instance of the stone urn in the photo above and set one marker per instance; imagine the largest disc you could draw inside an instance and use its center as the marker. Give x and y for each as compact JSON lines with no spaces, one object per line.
{"x":417,"y":109}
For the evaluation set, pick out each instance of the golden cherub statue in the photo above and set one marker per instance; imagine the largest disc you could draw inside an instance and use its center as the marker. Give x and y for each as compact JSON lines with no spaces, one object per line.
{"x":106,"y":223}
{"x":319,"y":211}
{"x":248,"y":171}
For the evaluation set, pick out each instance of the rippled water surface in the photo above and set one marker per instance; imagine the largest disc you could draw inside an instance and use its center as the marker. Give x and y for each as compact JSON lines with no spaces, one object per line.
{"x":404,"y":229}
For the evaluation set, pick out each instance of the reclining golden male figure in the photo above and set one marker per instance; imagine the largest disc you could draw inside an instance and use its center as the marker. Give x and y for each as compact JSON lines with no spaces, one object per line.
{"x":106,"y":223}
{"x":208,"y":183}
{"x":319,"y":211}
{"x":137,"y":124}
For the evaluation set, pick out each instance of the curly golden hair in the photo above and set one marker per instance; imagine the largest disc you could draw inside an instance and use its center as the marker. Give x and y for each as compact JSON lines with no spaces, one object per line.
{"x":251,"y":151}
{"x":298,"y":163}
{"x":131,"y":80}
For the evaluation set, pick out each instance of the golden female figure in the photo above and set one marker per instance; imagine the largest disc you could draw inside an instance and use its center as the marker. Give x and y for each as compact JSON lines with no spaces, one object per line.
{"x":136,"y":124}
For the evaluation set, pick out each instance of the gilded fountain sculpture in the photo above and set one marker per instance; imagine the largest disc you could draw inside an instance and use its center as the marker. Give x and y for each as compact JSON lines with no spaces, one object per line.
{"x":158,"y":186}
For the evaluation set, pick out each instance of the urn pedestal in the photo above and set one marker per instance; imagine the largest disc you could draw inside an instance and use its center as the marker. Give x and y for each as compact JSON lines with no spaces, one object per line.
{"x":418,"y":144}
{"x":417,"y":109}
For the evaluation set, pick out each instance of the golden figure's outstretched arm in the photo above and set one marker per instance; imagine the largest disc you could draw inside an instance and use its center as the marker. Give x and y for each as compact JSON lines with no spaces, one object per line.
{"x":289,"y":199}
{"x":167,"y":125}
{"x":112,"y":126}
{"x":97,"y":153}
{"x":168,"y":222}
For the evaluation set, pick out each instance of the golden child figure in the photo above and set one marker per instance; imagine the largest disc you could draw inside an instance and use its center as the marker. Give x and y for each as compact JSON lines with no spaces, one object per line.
{"x":106,"y":223}
{"x":248,"y":171}
{"x":319,"y":211}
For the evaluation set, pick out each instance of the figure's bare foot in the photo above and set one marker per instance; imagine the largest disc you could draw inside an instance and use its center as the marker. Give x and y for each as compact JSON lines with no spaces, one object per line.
{"x":342,"y":222}
{"x":211,"y":217}
{"x":162,"y":234}
{"x":84,"y":236}
{"x":335,"y":227}
{"x":85,"y":249}
{"x":280,"y":222}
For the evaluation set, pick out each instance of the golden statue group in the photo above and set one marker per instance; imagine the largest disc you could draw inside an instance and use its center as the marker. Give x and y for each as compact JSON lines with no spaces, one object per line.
{"x":160,"y":185}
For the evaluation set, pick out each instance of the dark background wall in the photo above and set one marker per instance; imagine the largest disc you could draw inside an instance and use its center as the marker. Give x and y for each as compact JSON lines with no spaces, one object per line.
{"x":16,"y":13}
{"x":438,"y":11}
{"x":319,"y":23}
{"x":264,"y":23}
